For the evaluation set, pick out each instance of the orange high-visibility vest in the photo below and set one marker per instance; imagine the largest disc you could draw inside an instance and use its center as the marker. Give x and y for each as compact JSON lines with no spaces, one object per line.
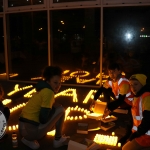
{"x":116,"y":86}
{"x":137,"y":113}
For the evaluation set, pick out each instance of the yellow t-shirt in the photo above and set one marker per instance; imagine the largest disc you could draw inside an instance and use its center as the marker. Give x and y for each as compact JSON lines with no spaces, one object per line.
{"x":123,"y":88}
{"x":145,"y":102}
{"x":43,"y":98}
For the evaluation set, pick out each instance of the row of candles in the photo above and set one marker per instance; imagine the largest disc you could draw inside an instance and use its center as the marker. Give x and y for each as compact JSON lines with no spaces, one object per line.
{"x":6,"y":101}
{"x":13,"y":127}
{"x":17,"y":89}
{"x":67,"y":117}
{"x":107,"y":140}
{"x":85,"y":111}
{"x":68,"y":92}
{"x":17,"y":107}
{"x":29,"y":94}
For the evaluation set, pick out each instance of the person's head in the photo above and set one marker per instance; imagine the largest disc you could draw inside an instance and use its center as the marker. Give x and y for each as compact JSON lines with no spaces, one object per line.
{"x":114,"y":71}
{"x":52,"y":75}
{"x":137,"y":81}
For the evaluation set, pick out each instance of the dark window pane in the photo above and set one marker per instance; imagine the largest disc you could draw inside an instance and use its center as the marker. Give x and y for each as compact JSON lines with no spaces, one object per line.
{"x":1,"y":5}
{"x":126,"y":38}
{"x":14,"y":3}
{"x":2,"y":53}
{"x":27,"y":44}
{"x":75,"y":43}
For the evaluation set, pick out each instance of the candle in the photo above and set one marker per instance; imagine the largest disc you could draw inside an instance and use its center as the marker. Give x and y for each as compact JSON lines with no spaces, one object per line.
{"x":113,"y":133}
{"x":9,"y":128}
{"x":119,"y":144}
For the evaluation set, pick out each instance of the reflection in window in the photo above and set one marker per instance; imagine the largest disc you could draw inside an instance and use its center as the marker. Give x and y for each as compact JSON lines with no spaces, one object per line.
{"x":14,"y":3}
{"x":126,"y":38}
{"x":27,"y":49}
{"x":62,"y":1}
{"x":75,"y":39}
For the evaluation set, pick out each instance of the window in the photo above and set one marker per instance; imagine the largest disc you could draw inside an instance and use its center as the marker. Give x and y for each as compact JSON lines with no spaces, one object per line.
{"x":27,"y":44}
{"x":126,"y":38}
{"x":14,"y":3}
{"x":75,"y":44}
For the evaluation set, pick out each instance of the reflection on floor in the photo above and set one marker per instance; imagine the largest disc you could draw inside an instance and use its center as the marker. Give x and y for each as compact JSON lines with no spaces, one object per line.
{"x":77,"y":100}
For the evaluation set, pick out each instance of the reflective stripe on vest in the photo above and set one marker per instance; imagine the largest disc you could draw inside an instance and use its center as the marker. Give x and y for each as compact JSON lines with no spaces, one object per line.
{"x":130,"y":99}
{"x":119,"y":82}
{"x":137,"y":117}
{"x":135,"y":128}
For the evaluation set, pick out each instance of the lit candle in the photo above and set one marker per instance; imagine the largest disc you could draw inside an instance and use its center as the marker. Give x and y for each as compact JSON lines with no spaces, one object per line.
{"x":9,"y":128}
{"x":119,"y":144}
{"x":17,"y":126}
{"x":113,"y":133}
{"x":14,"y":128}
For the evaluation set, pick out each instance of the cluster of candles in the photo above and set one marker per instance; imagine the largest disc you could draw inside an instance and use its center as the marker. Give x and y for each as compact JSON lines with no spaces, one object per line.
{"x":85,"y":111}
{"x":29,"y":94}
{"x":36,"y":78}
{"x":6,"y":101}
{"x":103,"y":76}
{"x":79,"y":74}
{"x":66,"y":93}
{"x":78,"y":80}
{"x":107,"y":140}
{"x":17,"y":107}
{"x":13,"y":128}
{"x":64,"y":78}
{"x":17,"y":89}
{"x":89,"y":95}
{"x":10,"y":75}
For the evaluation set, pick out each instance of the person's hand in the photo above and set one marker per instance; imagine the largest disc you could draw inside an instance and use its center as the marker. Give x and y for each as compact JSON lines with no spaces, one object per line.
{"x":92,"y":105}
{"x":106,"y":113}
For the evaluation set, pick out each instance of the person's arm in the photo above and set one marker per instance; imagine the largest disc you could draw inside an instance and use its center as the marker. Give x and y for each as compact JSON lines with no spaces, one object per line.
{"x":115,"y":104}
{"x":105,"y":86}
{"x":45,"y":114}
{"x":46,"y":110}
{"x":143,"y":127}
{"x":98,"y":93}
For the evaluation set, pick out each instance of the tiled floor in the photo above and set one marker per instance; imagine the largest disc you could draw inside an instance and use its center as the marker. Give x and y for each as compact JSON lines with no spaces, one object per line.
{"x":69,"y":126}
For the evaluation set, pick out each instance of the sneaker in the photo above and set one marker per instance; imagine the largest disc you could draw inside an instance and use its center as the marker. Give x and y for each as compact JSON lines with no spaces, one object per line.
{"x":32,"y":144}
{"x":61,"y":142}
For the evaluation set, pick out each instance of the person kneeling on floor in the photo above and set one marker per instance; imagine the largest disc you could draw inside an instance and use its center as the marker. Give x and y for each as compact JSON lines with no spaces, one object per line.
{"x":5,"y":110}
{"x":42,"y":113}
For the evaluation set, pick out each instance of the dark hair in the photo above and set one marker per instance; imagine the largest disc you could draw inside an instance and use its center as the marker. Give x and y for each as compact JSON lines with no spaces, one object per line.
{"x":51,"y":71}
{"x":113,"y":66}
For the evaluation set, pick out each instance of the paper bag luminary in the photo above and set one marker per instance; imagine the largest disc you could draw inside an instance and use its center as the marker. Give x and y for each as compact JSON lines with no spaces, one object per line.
{"x":98,"y":110}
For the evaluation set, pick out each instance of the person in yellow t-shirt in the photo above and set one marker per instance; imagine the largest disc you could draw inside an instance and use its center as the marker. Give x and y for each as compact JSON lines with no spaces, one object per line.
{"x":140,"y":137}
{"x":42,"y":113}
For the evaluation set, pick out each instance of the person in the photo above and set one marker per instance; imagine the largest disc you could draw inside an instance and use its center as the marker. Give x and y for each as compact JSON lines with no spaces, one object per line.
{"x":117,"y":87}
{"x":42,"y":113}
{"x":5,"y":110}
{"x":140,"y":137}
